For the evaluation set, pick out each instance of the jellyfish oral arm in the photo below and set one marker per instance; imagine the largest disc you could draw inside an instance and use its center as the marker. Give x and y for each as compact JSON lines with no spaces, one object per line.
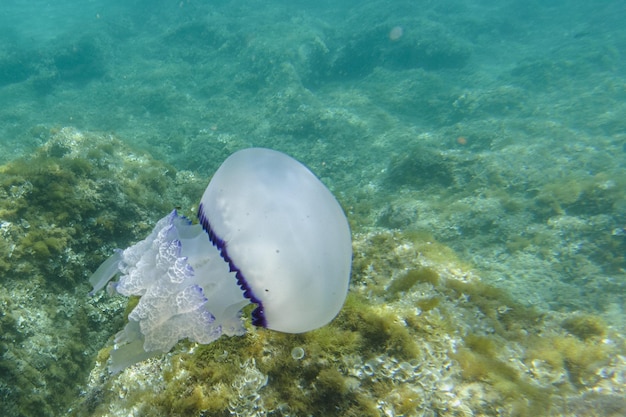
{"x":105,"y":272}
{"x":179,"y":276}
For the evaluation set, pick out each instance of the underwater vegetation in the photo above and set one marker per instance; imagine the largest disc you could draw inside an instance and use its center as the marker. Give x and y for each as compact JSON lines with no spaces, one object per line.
{"x":62,"y":210}
{"x":68,"y":195}
{"x":419,"y":335}
{"x":421,"y":332}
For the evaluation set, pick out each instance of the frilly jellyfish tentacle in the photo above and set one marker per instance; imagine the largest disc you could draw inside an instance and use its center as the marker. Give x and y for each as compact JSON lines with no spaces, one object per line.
{"x":105,"y":272}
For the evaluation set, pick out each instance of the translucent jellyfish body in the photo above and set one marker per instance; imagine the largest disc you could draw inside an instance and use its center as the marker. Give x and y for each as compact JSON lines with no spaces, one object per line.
{"x":270,"y":233}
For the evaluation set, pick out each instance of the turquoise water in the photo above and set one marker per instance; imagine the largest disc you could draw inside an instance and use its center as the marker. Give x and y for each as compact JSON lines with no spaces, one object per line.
{"x":495,"y":130}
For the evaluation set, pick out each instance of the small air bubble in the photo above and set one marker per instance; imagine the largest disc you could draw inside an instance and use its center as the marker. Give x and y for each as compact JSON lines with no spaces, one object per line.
{"x":297,"y":353}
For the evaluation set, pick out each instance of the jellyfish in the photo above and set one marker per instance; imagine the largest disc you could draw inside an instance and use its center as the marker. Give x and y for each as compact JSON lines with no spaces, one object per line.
{"x":269,"y":234}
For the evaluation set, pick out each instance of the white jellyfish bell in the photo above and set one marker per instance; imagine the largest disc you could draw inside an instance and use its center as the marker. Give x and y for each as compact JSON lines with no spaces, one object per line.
{"x":270,"y":233}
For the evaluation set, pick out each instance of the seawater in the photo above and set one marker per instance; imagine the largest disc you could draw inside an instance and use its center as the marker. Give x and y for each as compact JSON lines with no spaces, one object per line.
{"x":479,"y":141}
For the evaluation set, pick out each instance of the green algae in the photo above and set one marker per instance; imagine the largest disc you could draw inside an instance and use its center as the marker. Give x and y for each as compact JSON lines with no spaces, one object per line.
{"x":407,"y":280}
{"x":316,"y":382}
{"x":63,"y":209}
{"x":323,"y":382}
{"x":420,"y":166}
{"x":585,"y":326}
{"x":368,"y":359}
{"x":479,"y":356}
{"x":428,"y":304}
{"x":588,"y":195}
{"x":63,"y":196}
{"x":479,"y":361}
{"x":579,"y":360}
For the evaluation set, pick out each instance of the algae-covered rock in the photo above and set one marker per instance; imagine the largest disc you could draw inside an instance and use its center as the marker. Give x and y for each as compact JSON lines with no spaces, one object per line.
{"x":419,"y":333}
{"x":63,"y":209}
